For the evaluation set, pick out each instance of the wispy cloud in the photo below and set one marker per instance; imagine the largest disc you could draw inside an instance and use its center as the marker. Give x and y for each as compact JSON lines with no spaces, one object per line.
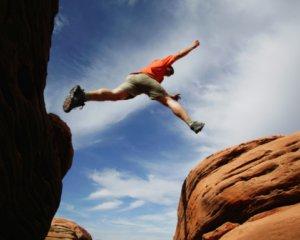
{"x":117,"y":185}
{"x":149,"y":227}
{"x":107,"y":206}
{"x":144,"y":226}
{"x":67,"y":209}
{"x":60,"y":22}
{"x":159,"y":217}
{"x":134,"y":205}
{"x":129,"y":2}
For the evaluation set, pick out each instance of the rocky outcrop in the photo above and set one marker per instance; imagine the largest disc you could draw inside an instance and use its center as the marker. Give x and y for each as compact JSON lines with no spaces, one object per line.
{"x":250,"y":191}
{"x":67,"y":230}
{"x":36,"y":149}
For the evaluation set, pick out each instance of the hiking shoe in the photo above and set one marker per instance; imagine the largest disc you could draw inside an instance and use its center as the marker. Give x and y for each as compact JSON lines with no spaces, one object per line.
{"x":76,"y":98}
{"x":197,"y":126}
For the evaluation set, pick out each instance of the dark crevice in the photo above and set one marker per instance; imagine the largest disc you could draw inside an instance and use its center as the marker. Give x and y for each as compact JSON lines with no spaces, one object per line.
{"x":206,"y":191}
{"x":262,"y":172}
{"x":292,"y":143}
{"x":295,"y":149}
{"x":295,"y":159}
{"x":233,"y":171}
{"x":277,"y":154}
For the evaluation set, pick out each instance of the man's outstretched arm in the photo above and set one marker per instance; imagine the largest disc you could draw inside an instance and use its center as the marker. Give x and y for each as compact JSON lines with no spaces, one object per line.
{"x":185,"y":51}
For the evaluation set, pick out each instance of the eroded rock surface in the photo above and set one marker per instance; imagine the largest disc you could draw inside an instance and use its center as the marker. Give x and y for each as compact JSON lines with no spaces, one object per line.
{"x":67,"y":230}
{"x":242,"y":181}
{"x":278,"y":224}
{"x":36,"y":149}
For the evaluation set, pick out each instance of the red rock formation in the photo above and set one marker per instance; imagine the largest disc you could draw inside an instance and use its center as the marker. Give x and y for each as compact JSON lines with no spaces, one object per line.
{"x":233,"y":185}
{"x":67,"y":230}
{"x":283,"y":223}
{"x":220,"y":231}
{"x":36,"y":149}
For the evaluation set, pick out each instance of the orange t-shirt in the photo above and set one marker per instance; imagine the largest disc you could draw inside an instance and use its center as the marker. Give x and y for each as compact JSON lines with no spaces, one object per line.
{"x":157,"y":68}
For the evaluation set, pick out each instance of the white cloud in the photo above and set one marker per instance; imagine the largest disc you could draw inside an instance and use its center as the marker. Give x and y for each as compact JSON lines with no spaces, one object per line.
{"x":60,"y":22}
{"x":132,"y":2}
{"x":67,"y":209}
{"x":159,"y":217}
{"x":150,"y":221}
{"x":123,"y":2}
{"x":127,"y":229}
{"x":134,"y":205}
{"x":107,"y":206}
{"x":117,"y":185}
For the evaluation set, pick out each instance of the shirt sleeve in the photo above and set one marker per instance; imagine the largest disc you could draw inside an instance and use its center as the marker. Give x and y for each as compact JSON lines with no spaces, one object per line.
{"x":168,"y":60}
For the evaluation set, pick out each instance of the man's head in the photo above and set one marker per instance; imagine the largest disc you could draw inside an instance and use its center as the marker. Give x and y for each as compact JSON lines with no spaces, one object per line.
{"x":169,"y":71}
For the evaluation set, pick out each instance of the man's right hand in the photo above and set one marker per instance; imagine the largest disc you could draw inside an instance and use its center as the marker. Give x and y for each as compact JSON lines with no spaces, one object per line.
{"x":185,"y":51}
{"x":196,"y":43}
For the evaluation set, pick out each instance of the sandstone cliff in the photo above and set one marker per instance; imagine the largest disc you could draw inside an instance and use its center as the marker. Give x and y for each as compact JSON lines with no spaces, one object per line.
{"x":36,"y":149}
{"x":250,"y":191}
{"x":67,"y":230}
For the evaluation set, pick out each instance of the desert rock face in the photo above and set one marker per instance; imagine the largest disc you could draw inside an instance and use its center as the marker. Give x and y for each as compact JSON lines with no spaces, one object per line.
{"x":250,"y":191}
{"x":36,"y":149}
{"x":67,"y":230}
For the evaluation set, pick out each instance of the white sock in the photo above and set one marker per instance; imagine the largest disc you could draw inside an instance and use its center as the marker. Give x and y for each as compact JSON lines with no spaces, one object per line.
{"x":189,"y":122}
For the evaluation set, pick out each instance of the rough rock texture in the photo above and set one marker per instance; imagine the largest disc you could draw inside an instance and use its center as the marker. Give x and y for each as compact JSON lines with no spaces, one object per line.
{"x":220,"y":231}
{"x":283,"y":223}
{"x":242,"y":181}
{"x":67,"y":230}
{"x":36,"y":149}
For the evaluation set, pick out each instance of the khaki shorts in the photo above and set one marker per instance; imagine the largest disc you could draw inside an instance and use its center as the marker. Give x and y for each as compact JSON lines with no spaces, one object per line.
{"x":140,"y":83}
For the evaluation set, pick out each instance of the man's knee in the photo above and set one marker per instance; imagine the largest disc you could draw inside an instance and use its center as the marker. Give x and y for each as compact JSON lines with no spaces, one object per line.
{"x":118,"y":94}
{"x":164,"y":100}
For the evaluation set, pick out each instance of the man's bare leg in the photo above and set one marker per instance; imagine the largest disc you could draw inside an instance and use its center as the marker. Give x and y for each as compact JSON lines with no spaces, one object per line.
{"x":77,"y":97}
{"x":105,"y":94}
{"x":181,"y":113}
{"x":176,"y":108}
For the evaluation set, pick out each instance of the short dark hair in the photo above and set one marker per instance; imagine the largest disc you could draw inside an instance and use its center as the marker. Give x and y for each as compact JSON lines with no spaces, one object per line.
{"x":172,"y":70}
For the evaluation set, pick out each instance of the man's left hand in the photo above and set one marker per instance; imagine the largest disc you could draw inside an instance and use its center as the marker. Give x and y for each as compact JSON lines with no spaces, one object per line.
{"x":176,"y":97}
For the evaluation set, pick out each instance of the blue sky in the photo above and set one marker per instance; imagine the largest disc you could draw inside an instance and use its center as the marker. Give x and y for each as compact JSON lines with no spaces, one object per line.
{"x":132,"y":156}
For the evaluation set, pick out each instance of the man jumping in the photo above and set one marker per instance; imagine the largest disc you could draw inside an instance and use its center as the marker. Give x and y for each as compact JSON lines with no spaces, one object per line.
{"x":147,"y":80}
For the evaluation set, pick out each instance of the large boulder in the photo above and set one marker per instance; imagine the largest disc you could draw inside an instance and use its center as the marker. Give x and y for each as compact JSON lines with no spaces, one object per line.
{"x":66,"y":229}
{"x":248,"y":190}
{"x":36,"y":149}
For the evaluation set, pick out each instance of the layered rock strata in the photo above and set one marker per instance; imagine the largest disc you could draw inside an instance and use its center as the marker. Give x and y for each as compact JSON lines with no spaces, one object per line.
{"x":36,"y":149}
{"x":252,"y":189}
{"x":67,"y":230}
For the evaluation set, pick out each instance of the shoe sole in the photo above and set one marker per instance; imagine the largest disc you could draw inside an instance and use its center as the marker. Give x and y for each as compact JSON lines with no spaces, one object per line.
{"x":197,"y":130}
{"x":67,"y":104}
{"x":68,"y":101}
